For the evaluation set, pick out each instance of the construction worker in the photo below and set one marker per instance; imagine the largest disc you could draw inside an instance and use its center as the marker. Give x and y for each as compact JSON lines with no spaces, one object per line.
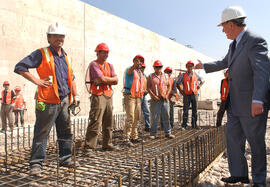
{"x":159,"y":90}
{"x":7,"y":102}
{"x":224,"y":90}
{"x":188,"y":84}
{"x":102,"y":77}
{"x":56,"y":89}
{"x":19,"y":106}
{"x":144,"y":104}
{"x":172,"y":96}
{"x":134,"y":85}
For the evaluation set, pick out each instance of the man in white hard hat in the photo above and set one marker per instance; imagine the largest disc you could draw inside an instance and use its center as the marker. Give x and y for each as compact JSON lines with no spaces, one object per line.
{"x":56,"y":90}
{"x":248,"y":67}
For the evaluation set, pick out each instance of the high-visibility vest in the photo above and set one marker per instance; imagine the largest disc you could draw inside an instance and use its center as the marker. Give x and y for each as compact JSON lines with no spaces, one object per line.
{"x":18,"y":102}
{"x":159,"y":89}
{"x":224,"y":89}
{"x":8,"y":97}
{"x":145,"y":83}
{"x":46,"y":69}
{"x":138,"y":84}
{"x":103,"y":88}
{"x":190,"y":85}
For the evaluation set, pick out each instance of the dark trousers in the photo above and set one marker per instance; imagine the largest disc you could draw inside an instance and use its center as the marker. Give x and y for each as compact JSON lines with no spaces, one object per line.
{"x":100,"y":116}
{"x":221,"y":111}
{"x":187,"y":100}
{"x":54,"y":114}
{"x":17,"y":113}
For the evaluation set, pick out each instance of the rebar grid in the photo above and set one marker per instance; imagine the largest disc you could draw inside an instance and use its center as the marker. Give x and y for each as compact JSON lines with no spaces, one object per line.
{"x":159,"y":162}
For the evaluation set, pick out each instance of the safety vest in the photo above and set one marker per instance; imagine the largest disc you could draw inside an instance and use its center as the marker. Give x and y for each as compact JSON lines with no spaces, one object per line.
{"x":224,"y":89}
{"x":46,"y":69}
{"x":171,"y":83}
{"x":138,"y":84}
{"x":18,"y":102}
{"x":159,"y":85}
{"x":145,"y":83}
{"x":103,"y":88}
{"x":8,"y":97}
{"x":190,"y":85}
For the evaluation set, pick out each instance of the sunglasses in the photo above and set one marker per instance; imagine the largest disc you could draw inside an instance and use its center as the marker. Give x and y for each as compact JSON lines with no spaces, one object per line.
{"x":158,"y":67}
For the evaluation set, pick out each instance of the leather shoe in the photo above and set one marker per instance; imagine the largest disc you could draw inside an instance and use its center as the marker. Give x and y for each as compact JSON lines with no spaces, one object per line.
{"x":233,"y":180}
{"x":259,"y":185}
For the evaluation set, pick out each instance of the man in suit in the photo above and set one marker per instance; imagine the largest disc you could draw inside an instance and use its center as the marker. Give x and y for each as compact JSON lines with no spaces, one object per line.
{"x":249,"y":69}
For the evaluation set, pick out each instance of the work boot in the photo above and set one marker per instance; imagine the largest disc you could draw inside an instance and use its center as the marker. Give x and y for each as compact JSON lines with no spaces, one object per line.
{"x":69,"y":163}
{"x":110,"y":148}
{"x":137,"y":140}
{"x":152,"y":137}
{"x":35,"y":169}
{"x":88,"y":149}
{"x":169,"y":136}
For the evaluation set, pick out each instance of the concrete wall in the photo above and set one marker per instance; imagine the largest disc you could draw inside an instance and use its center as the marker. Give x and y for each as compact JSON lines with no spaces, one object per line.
{"x":23,"y":26}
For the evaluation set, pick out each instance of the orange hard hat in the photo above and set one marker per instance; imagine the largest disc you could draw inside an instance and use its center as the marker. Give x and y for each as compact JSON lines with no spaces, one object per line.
{"x":189,"y":62}
{"x":168,"y":69}
{"x":139,"y":56}
{"x":17,"y":88}
{"x":157,"y":63}
{"x":102,"y":47}
{"x":143,"y":64}
{"x":5,"y":83}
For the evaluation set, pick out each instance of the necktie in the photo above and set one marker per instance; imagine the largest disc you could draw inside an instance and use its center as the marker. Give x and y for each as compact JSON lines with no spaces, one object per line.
{"x":233,"y":47}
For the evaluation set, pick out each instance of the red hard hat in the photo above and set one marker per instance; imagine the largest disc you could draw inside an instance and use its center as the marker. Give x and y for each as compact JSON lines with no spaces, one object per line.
{"x":189,"y":62}
{"x":102,"y":47}
{"x":168,"y":69}
{"x":17,"y":88}
{"x":5,"y":83}
{"x":157,"y":63}
{"x":139,"y":56}
{"x":143,"y":64}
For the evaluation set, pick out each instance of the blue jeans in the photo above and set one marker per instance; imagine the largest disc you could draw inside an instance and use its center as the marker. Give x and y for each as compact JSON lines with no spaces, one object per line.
{"x":146,"y":114}
{"x":53,"y":114}
{"x":158,"y":108}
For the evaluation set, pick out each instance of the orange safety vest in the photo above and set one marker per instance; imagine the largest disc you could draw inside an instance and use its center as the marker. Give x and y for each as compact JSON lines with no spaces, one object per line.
{"x":224,"y":89}
{"x":8,"y":97}
{"x":19,"y":102}
{"x":138,"y":85}
{"x":190,"y":85}
{"x":103,"y":88}
{"x":161,"y":88}
{"x":46,"y":69}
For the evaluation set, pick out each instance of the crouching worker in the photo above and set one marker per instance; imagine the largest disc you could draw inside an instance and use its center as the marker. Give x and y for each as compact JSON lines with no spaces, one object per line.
{"x":159,"y":90}
{"x":56,"y":89}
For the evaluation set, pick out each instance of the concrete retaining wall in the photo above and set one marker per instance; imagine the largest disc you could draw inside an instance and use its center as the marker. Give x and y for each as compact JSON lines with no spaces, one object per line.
{"x":23,"y":26}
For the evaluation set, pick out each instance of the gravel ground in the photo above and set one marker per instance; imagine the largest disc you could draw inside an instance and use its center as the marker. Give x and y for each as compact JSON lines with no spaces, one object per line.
{"x":220,"y":168}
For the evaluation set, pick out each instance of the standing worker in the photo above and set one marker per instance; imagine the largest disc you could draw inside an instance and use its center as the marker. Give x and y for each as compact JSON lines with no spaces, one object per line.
{"x":102,"y":77}
{"x":159,"y":90}
{"x":249,"y":69}
{"x":224,"y":90}
{"x":7,"y":102}
{"x":134,"y":85}
{"x":144,"y":103}
{"x":172,"y":96}
{"x":56,"y":88}
{"x":19,"y":106}
{"x":188,"y":84}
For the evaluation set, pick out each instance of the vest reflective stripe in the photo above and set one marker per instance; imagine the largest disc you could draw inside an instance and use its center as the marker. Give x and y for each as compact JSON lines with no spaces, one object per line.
{"x":137,"y":87}
{"x":8,"y":97}
{"x":19,"y":102}
{"x":46,"y":69}
{"x":224,"y":89}
{"x":103,"y":88}
{"x":159,"y":89}
{"x":190,"y":85}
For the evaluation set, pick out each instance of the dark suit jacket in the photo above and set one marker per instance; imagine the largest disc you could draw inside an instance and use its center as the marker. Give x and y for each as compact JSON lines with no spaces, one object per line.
{"x":249,"y":70}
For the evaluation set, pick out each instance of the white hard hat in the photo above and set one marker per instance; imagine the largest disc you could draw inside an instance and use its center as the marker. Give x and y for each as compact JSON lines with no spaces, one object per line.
{"x":231,"y":13}
{"x":56,"y":28}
